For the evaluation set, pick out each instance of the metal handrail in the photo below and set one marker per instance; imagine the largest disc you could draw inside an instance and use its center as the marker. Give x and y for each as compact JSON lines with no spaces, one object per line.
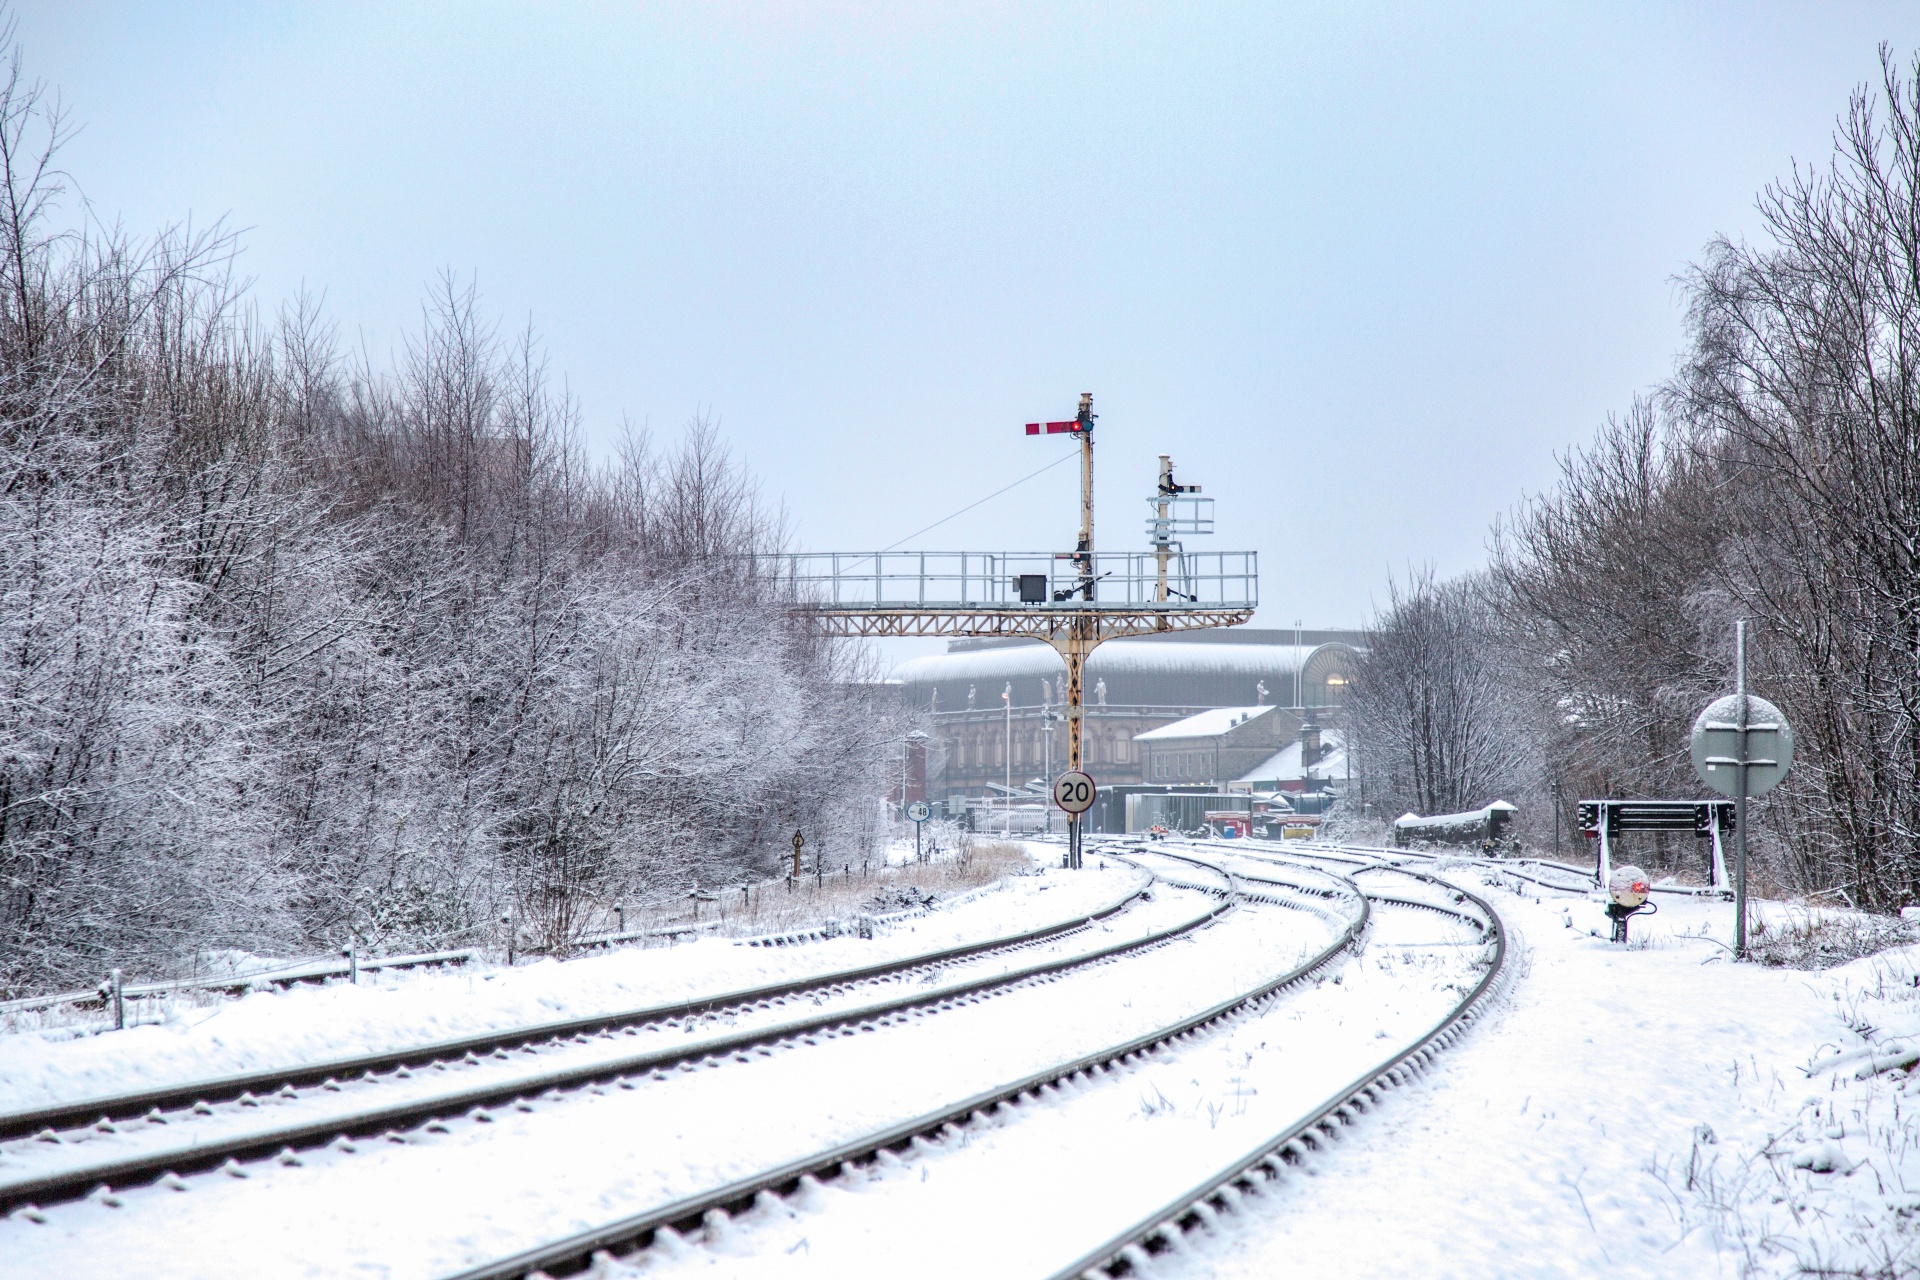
{"x":920,"y":580}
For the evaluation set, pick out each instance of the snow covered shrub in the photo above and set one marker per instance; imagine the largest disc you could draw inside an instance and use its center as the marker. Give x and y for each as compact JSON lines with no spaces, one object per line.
{"x":293,"y":651}
{"x":1833,"y":1187}
{"x":1825,"y":939}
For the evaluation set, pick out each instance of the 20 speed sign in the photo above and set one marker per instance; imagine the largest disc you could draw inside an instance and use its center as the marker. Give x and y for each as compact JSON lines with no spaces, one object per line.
{"x":1073,"y":791}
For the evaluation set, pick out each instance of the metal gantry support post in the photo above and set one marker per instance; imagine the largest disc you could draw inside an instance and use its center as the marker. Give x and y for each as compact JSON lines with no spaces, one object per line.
{"x":1066,"y":613}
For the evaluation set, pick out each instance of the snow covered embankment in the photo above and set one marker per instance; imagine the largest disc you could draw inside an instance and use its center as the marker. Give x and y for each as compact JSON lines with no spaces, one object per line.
{"x":1631,"y":1111}
{"x":1834,"y":1188}
{"x":396,"y":1010}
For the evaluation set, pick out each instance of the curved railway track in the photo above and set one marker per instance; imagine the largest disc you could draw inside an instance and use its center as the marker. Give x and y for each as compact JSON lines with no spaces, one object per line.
{"x":141,"y":1104}
{"x":1289,"y":878}
{"x":198,"y":1153}
{"x":578,"y":1252}
{"x":1131,"y":1251}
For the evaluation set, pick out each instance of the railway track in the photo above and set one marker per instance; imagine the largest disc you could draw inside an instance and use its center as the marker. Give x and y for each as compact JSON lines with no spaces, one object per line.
{"x":1131,"y":1250}
{"x":1197,"y":1207}
{"x":140,"y":1104}
{"x":1283,"y":879}
{"x":199,"y":1152}
{"x":711,"y":1209}
{"x":1509,"y":867}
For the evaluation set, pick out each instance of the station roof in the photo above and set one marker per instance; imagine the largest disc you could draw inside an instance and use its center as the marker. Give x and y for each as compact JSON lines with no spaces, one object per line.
{"x":1114,"y":658}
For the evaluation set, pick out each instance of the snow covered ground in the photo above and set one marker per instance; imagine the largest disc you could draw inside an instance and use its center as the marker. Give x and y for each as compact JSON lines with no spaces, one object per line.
{"x":441,"y":1200}
{"x":1652,"y":1110}
{"x":1026,"y":1195}
{"x":1631,"y":1111}
{"x":88,"y":1147}
{"x":402,"y":1008}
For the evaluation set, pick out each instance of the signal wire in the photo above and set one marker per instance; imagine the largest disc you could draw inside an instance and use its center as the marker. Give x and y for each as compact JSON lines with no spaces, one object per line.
{"x":1065,"y":457}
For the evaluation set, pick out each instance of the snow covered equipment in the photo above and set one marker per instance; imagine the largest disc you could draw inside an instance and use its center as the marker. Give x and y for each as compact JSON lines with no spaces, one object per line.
{"x":1606,"y":820}
{"x":1627,"y":891}
{"x":1487,"y":827}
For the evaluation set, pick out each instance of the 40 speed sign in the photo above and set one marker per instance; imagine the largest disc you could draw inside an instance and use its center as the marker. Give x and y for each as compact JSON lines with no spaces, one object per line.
{"x":1073,"y":791}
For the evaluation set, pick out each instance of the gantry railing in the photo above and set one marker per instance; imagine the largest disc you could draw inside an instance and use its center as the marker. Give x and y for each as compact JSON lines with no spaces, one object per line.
{"x":1027,"y":581}
{"x":1030,"y":593}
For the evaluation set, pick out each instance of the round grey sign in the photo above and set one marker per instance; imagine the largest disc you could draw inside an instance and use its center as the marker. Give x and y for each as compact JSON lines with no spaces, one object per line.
{"x":1716,"y":744}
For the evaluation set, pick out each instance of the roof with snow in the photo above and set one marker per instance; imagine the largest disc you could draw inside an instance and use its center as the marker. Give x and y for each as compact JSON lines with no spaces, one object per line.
{"x":1408,"y":819}
{"x":1284,"y":764}
{"x":1208,"y":724}
{"x":1115,"y":657}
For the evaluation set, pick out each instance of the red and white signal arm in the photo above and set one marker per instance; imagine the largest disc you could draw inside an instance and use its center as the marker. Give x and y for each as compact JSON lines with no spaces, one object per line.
{"x":1073,"y":791}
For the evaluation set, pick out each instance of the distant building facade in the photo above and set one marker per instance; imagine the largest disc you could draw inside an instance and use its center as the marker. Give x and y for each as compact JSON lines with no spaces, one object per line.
{"x":996,"y":715}
{"x":1212,"y":746}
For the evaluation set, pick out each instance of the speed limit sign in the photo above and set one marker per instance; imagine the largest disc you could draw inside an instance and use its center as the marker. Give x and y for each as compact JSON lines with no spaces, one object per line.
{"x":1073,"y":791}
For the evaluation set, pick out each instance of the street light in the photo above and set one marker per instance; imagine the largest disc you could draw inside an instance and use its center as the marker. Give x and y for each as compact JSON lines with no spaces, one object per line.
{"x":1006,"y":696}
{"x":1297,"y":664}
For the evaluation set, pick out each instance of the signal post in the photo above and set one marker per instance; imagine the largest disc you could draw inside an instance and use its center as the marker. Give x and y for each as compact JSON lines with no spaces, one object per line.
{"x":1075,"y":600}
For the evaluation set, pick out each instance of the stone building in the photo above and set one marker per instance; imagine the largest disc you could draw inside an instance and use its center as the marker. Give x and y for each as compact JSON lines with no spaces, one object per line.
{"x":1211,"y":747}
{"x":994,"y":710}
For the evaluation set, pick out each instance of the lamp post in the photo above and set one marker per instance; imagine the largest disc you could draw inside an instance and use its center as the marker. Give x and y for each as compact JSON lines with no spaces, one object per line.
{"x":1006,"y":696}
{"x":1297,"y":664}
{"x":1046,"y":727}
{"x":1745,"y":723}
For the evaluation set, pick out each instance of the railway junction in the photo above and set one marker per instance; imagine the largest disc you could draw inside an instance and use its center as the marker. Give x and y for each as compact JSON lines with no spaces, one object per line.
{"x":1188,"y":1058}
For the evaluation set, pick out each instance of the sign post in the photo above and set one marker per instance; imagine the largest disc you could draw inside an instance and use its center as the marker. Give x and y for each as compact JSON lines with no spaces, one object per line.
{"x":1074,"y":791}
{"x":1742,"y":747}
{"x":798,"y":841}
{"x":917,"y":813}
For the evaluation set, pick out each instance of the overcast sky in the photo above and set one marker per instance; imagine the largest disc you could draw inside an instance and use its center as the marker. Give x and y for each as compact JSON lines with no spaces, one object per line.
{"x":1362,"y":270}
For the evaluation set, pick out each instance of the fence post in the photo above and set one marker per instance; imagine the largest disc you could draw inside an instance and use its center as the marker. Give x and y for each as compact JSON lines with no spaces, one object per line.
{"x":353,"y":962}
{"x":620,"y":914}
{"x":119,"y":1001}
{"x":506,"y":919}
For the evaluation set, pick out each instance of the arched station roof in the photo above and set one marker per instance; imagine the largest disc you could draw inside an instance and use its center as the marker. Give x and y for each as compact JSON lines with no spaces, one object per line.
{"x":1163,"y":673}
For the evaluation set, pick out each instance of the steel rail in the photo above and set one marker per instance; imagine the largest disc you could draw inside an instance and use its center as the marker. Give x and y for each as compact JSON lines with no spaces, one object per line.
{"x":1319,"y":892}
{"x":199,"y":1155}
{"x":283,"y":975}
{"x":575,"y":1253}
{"x":1378,"y":863}
{"x":1505,"y":868}
{"x":1130,"y":1251}
{"x":1389,"y":899}
{"x":131,"y":1106}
